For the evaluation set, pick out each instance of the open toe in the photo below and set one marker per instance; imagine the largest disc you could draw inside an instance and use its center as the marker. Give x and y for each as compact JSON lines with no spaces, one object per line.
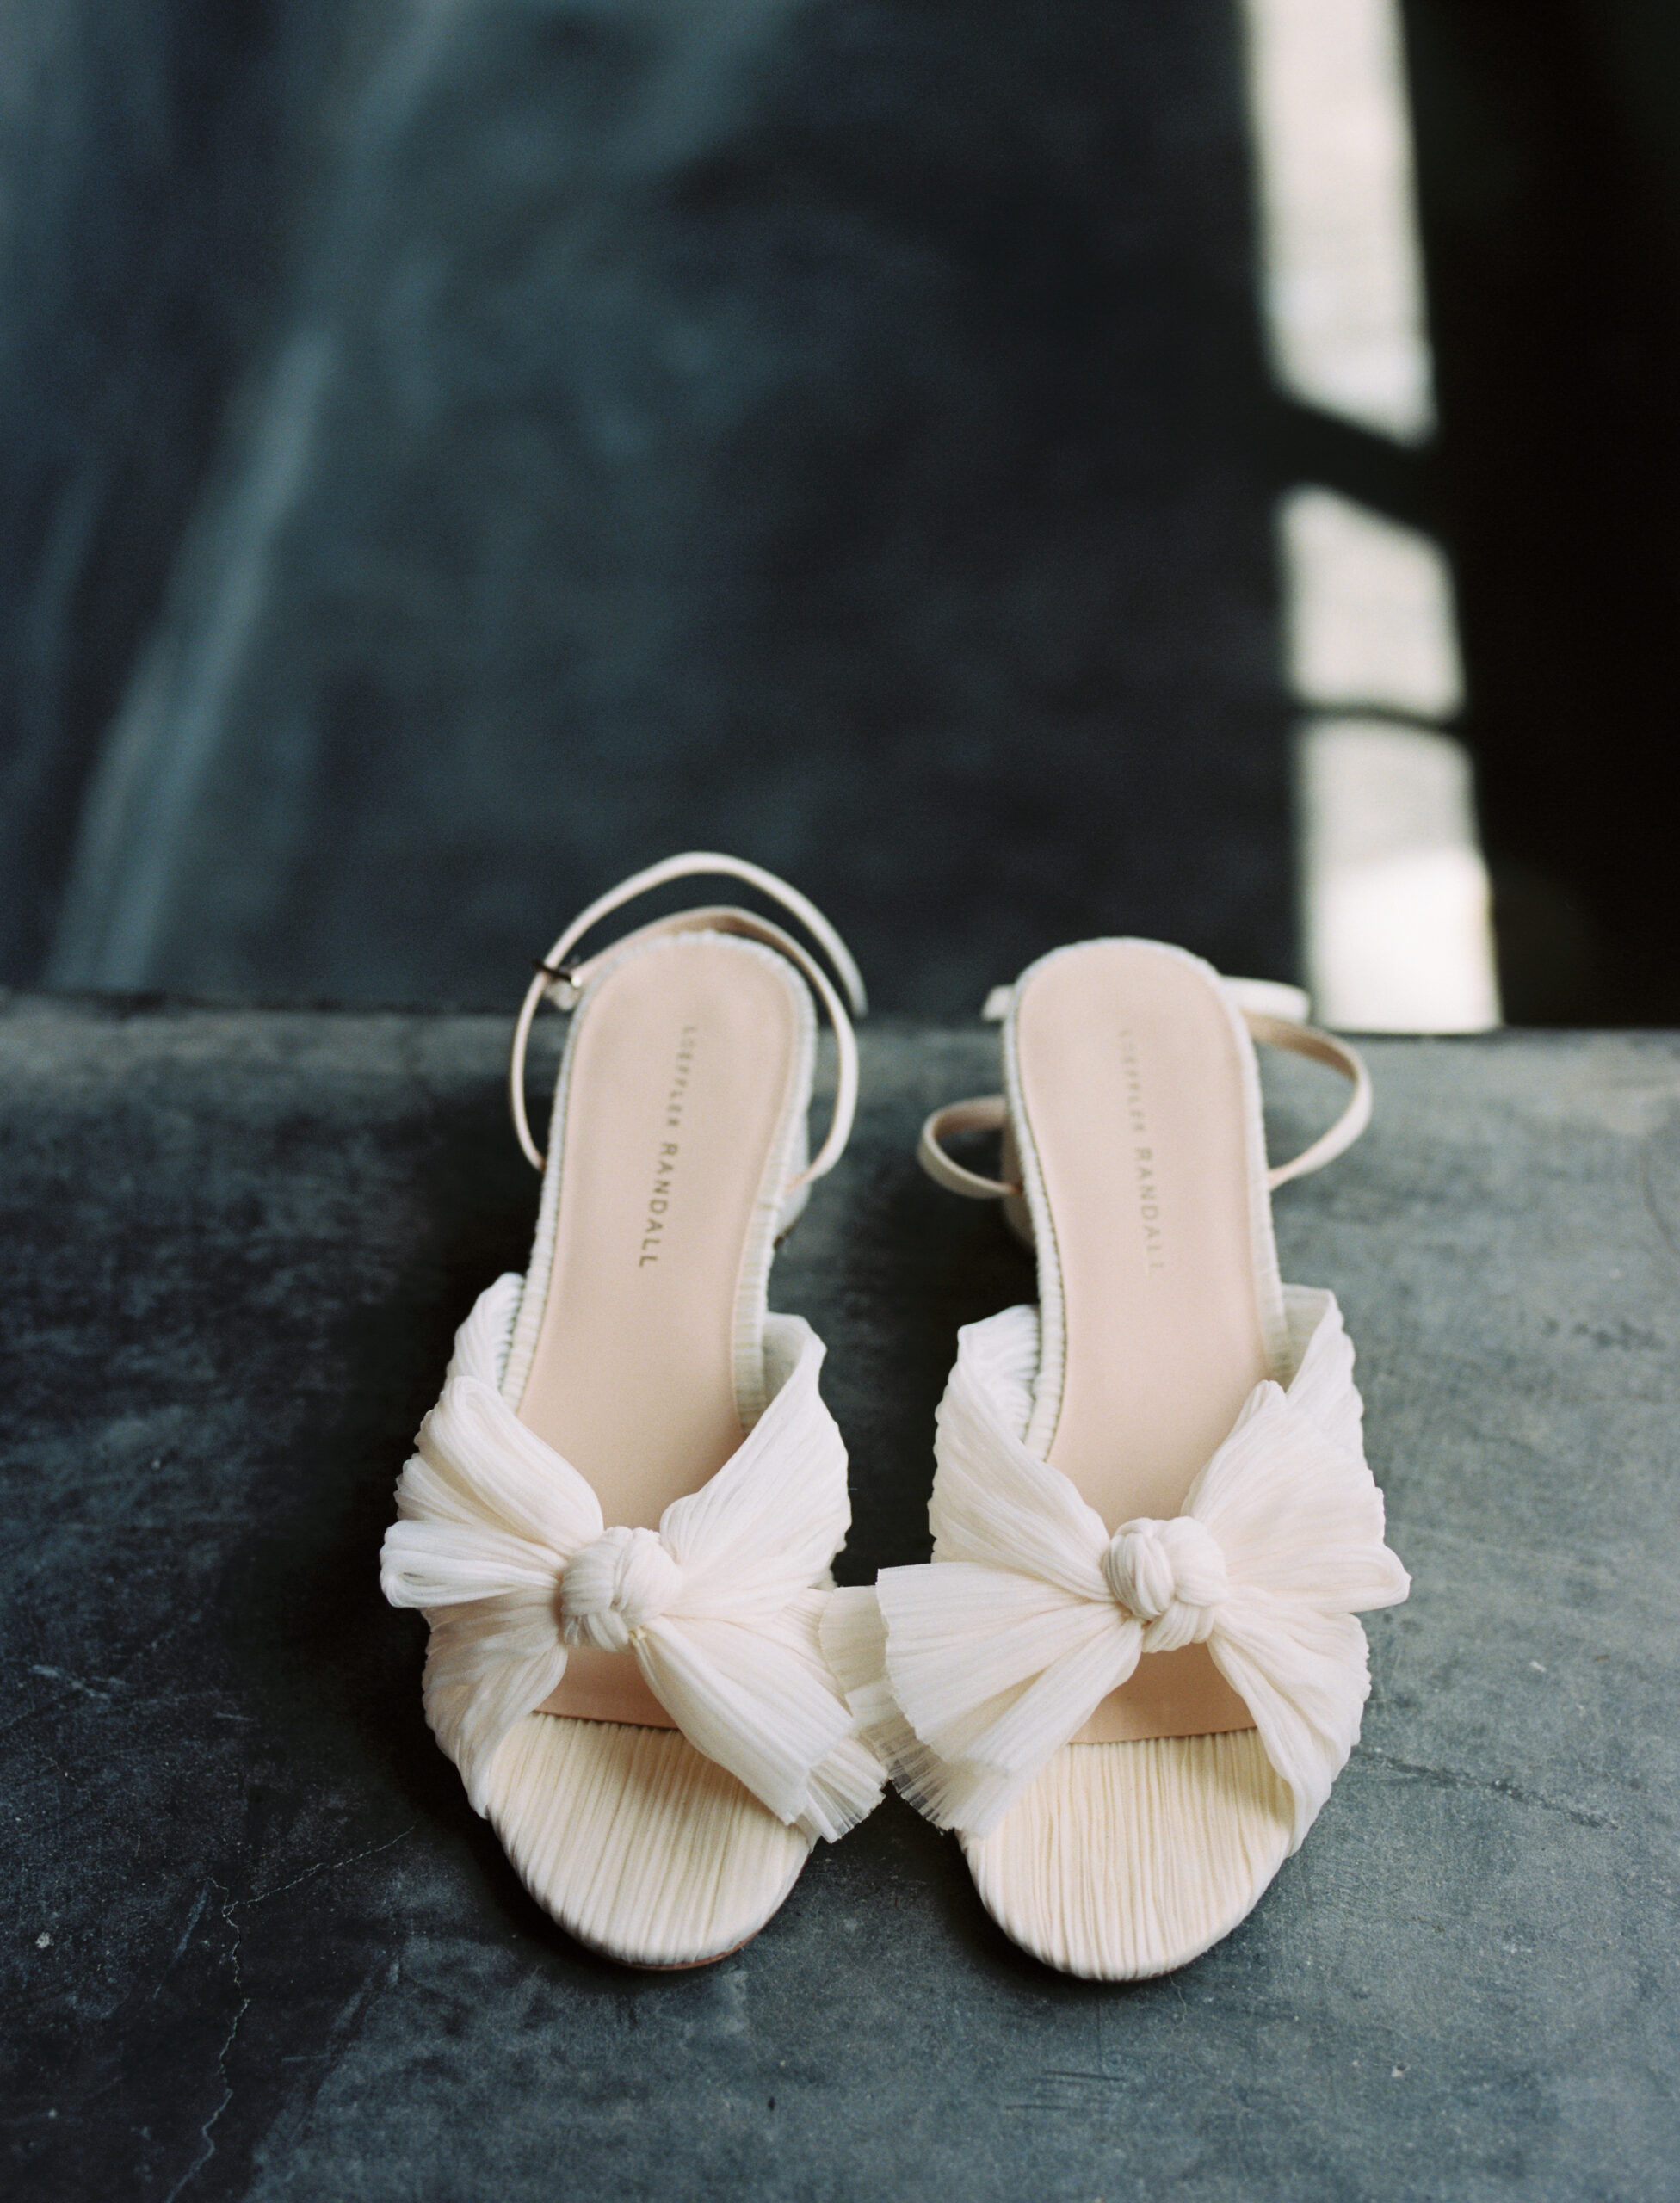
{"x":636,"y":1843}
{"x":1122,"y":1861}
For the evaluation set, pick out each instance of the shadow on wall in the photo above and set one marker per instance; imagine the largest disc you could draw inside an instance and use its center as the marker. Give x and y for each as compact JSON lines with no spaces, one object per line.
{"x":1550,"y":199}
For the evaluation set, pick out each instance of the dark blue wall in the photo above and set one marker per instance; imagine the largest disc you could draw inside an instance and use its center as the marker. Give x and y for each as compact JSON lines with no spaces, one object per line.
{"x":455,"y":453}
{"x":151,"y":156}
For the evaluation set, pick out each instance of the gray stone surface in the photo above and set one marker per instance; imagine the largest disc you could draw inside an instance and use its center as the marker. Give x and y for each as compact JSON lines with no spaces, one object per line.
{"x":258,"y":1946}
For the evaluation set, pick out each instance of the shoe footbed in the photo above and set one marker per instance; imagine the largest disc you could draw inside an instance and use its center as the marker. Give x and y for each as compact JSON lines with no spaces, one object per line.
{"x":1126,"y":1859}
{"x":1151,"y":1836}
{"x":635,"y":1843}
{"x":683,"y":1070}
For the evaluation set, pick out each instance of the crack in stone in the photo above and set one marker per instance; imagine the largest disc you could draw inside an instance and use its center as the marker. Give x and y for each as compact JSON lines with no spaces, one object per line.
{"x":227,"y":1909}
{"x":88,"y":1690}
{"x":195,"y":1916}
{"x":208,"y":2150}
{"x":329,"y":1866}
{"x":1452,"y":1778}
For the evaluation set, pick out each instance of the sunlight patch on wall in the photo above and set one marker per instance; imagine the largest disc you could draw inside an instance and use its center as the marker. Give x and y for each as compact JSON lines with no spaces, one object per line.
{"x":1368,"y":610}
{"x":1393,"y":890}
{"x":1395,"y":908}
{"x":1396,"y":924}
{"x":1343,"y":283}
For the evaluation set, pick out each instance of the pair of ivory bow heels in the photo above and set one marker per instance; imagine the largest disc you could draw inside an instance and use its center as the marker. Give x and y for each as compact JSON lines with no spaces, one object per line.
{"x":1131,"y":1671}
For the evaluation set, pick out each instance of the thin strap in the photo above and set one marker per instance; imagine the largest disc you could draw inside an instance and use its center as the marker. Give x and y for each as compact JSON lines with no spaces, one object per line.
{"x":707,"y":864}
{"x":1335,"y":1055}
{"x":990,"y":1112}
{"x":1270,"y":998}
{"x":1275,"y":996}
{"x":561,"y":979}
{"x":986,"y":1112}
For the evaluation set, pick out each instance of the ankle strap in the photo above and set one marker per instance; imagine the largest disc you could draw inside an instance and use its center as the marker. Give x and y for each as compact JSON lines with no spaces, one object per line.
{"x":990,"y":1112}
{"x":561,"y":979}
{"x":1319,"y":1047}
{"x":982,"y":1113}
{"x":707,"y":864}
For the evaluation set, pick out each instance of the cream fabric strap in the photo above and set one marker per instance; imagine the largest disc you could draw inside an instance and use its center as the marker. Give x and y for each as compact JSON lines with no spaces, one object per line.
{"x":1336,"y":1055}
{"x":501,"y":1542}
{"x":985,"y":1113}
{"x":562,"y":982}
{"x":1255,"y":998}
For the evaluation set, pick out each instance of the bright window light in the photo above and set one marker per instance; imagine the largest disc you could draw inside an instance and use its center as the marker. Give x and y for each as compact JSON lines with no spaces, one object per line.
{"x":1368,"y":609}
{"x":1398,"y":938}
{"x":1343,"y":287}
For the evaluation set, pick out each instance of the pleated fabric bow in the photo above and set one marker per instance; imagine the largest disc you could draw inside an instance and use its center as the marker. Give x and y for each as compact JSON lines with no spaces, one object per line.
{"x":971,"y":1670}
{"x":501,"y":1541}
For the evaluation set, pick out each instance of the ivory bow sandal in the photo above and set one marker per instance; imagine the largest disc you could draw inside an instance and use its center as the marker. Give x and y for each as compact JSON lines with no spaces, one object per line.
{"x":1131,"y":1673}
{"x":620,"y":1515}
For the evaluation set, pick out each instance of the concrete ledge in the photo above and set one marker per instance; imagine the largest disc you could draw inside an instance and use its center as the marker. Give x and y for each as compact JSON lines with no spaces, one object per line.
{"x":260,"y":1946}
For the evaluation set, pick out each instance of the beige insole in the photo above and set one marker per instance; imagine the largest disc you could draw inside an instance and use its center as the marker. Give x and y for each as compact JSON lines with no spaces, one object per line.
{"x":683,"y":1066}
{"x":639,"y":1846}
{"x":1125,"y":1862}
{"x":1132,"y":1084}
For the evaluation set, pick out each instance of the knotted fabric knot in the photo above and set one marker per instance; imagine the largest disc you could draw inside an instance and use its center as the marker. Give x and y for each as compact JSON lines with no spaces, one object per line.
{"x":1171,"y":1576}
{"x":615,"y":1586}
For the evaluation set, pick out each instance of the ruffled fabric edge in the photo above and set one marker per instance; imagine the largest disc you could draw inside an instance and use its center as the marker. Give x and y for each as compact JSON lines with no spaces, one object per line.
{"x":484,"y":1507}
{"x":1307,"y":1741}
